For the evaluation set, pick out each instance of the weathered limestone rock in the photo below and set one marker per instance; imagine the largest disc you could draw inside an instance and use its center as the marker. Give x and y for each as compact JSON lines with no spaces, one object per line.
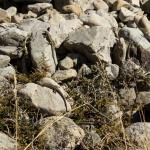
{"x":42,"y":53}
{"x":7,"y":143}
{"x":139,"y":134}
{"x":28,"y":25}
{"x":13,"y":36}
{"x":143,"y":45}
{"x":43,"y":56}
{"x":61,"y":75}
{"x":39,"y":7}
{"x":93,"y":19}
{"x":60,"y":28}
{"x":12,"y":51}
{"x":110,"y":18}
{"x":94,"y":42}
{"x":62,"y":133}
{"x":135,"y":35}
{"x":101,"y":5}
{"x":45,"y":98}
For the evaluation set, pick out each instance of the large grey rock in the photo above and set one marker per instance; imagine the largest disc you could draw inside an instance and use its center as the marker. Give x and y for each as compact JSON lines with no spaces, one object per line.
{"x":12,"y":51}
{"x":61,"y":133}
{"x":12,"y":36}
{"x":29,"y":24}
{"x":60,"y":28}
{"x":101,"y":5}
{"x":45,"y":98}
{"x":94,"y":42}
{"x":41,"y":50}
{"x":93,"y":19}
{"x":134,"y":35}
{"x":39,"y":7}
{"x":7,"y":143}
{"x":110,"y":18}
{"x":4,"y":60}
{"x":43,"y":56}
{"x":139,"y":134}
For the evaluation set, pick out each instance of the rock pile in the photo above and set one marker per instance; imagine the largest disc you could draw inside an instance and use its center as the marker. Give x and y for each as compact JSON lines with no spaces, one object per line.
{"x":59,"y":41}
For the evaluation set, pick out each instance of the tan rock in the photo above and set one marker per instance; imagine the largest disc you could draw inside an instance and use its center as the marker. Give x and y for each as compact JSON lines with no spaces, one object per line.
{"x":4,"y":16}
{"x":73,"y":8}
{"x":120,"y":3}
{"x":100,"y":4}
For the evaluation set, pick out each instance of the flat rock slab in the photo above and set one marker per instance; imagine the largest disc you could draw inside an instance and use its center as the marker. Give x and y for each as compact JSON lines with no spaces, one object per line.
{"x":12,"y":36}
{"x":60,"y":28}
{"x":12,"y":51}
{"x":39,"y":7}
{"x":94,"y":42}
{"x":45,"y":98}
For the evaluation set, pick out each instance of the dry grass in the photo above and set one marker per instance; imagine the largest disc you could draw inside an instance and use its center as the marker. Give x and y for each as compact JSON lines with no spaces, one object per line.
{"x":93,"y":94}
